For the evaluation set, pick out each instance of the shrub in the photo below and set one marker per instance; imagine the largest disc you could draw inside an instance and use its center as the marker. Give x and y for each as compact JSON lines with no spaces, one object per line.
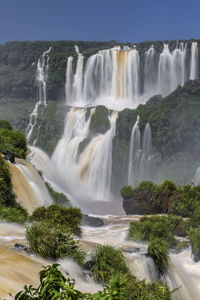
{"x":190,"y":197}
{"x":13,"y":214}
{"x":58,"y":198}
{"x":14,"y":142}
{"x":126,"y":191}
{"x":157,"y":249}
{"x":167,"y":185}
{"x":146,"y":186}
{"x":5,"y":125}
{"x":53,"y":241}
{"x":108,"y":261}
{"x":194,"y":236}
{"x":53,"y":285}
{"x":148,"y":228}
{"x":65,"y":217}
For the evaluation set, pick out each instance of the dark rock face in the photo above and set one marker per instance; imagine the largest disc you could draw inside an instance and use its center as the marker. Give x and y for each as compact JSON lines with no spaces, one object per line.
{"x":91,"y":221}
{"x":180,"y":230}
{"x":144,"y":202}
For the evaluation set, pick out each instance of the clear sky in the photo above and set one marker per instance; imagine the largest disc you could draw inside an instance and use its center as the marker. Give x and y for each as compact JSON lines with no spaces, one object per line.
{"x":100,"y":20}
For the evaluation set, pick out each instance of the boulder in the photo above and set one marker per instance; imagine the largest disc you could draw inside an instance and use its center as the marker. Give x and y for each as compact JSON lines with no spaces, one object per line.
{"x":144,"y":202}
{"x":91,"y":221}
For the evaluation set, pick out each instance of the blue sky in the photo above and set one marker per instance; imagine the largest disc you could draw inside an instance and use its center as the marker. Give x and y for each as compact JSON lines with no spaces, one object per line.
{"x":102,"y":20}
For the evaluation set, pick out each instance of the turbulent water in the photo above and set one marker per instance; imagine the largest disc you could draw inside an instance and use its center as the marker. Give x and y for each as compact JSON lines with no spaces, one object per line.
{"x":28,"y":186}
{"x":18,"y":268}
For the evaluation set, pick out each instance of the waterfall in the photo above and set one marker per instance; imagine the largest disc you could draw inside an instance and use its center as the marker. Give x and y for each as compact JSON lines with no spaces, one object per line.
{"x":96,"y":162}
{"x":140,"y":158}
{"x":146,"y":155}
{"x":171,"y":69}
{"x":41,"y":79}
{"x":28,"y":186}
{"x":134,"y":155}
{"x":194,"y":61}
{"x":118,"y":79}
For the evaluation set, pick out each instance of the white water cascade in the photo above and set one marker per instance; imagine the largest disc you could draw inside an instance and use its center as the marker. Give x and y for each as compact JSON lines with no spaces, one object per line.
{"x":41,"y":79}
{"x":140,"y":158}
{"x":134,"y":154}
{"x":194,"y":61}
{"x":95,"y":165}
{"x":113,"y":77}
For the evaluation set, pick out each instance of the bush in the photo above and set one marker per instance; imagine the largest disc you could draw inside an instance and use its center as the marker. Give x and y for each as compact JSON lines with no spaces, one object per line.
{"x":58,"y":198}
{"x":7,"y":196}
{"x":126,"y":191}
{"x":66,"y":217}
{"x":190,"y":198}
{"x":148,"y":228}
{"x":5,"y":125}
{"x":146,"y":186}
{"x":53,"y":285}
{"x":167,"y":185}
{"x":108,"y":261}
{"x":52,"y":241}
{"x":13,"y":214}
{"x":157,"y":249}
{"x":14,"y":142}
{"x":194,"y":236}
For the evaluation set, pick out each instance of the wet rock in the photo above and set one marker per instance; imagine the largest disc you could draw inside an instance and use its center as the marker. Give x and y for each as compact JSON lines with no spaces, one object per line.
{"x":144,"y":202}
{"x":132,"y":250}
{"x":91,"y":221}
{"x":22,"y":247}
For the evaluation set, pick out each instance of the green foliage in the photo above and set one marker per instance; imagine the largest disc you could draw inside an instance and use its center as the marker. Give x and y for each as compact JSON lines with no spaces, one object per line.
{"x":53,"y":241}
{"x":14,"y":142}
{"x":58,"y":198}
{"x":54,"y":286}
{"x":126,"y":191}
{"x":99,"y":121}
{"x":13,"y":214}
{"x":190,"y":198}
{"x":194,"y":236}
{"x":146,"y":186}
{"x":149,"y":228}
{"x":108,"y":261}
{"x":158,"y":250}
{"x":66,"y":217}
{"x":7,"y":196}
{"x":167,"y":185}
{"x":5,"y":125}
{"x":182,"y":245}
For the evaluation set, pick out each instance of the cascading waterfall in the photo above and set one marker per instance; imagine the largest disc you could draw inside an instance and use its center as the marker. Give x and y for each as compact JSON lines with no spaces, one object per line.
{"x":171,"y":69}
{"x":113,"y":78}
{"x":140,"y":158}
{"x":96,"y":162}
{"x":194,"y":61}
{"x":41,"y":79}
{"x":134,"y":155}
{"x":29,"y":186}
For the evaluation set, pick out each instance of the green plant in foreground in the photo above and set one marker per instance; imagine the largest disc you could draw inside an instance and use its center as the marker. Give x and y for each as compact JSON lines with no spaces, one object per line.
{"x":148,"y":228}
{"x":54,"y":286}
{"x":157,"y":249}
{"x":107,"y":262}
{"x":50,"y":240}
{"x":57,"y":215}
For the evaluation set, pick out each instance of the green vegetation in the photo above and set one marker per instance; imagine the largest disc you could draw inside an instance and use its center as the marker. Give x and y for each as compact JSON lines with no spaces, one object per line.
{"x":69,"y":218}
{"x":190,"y":198}
{"x":149,"y":228}
{"x":99,"y":121}
{"x":158,"y":250}
{"x":59,"y":198}
{"x":53,"y":285}
{"x":10,"y":210}
{"x":108,"y":261}
{"x":5,"y":125}
{"x":194,"y":236}
{"x":53,"y":241}
{"x":14,"y":142}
